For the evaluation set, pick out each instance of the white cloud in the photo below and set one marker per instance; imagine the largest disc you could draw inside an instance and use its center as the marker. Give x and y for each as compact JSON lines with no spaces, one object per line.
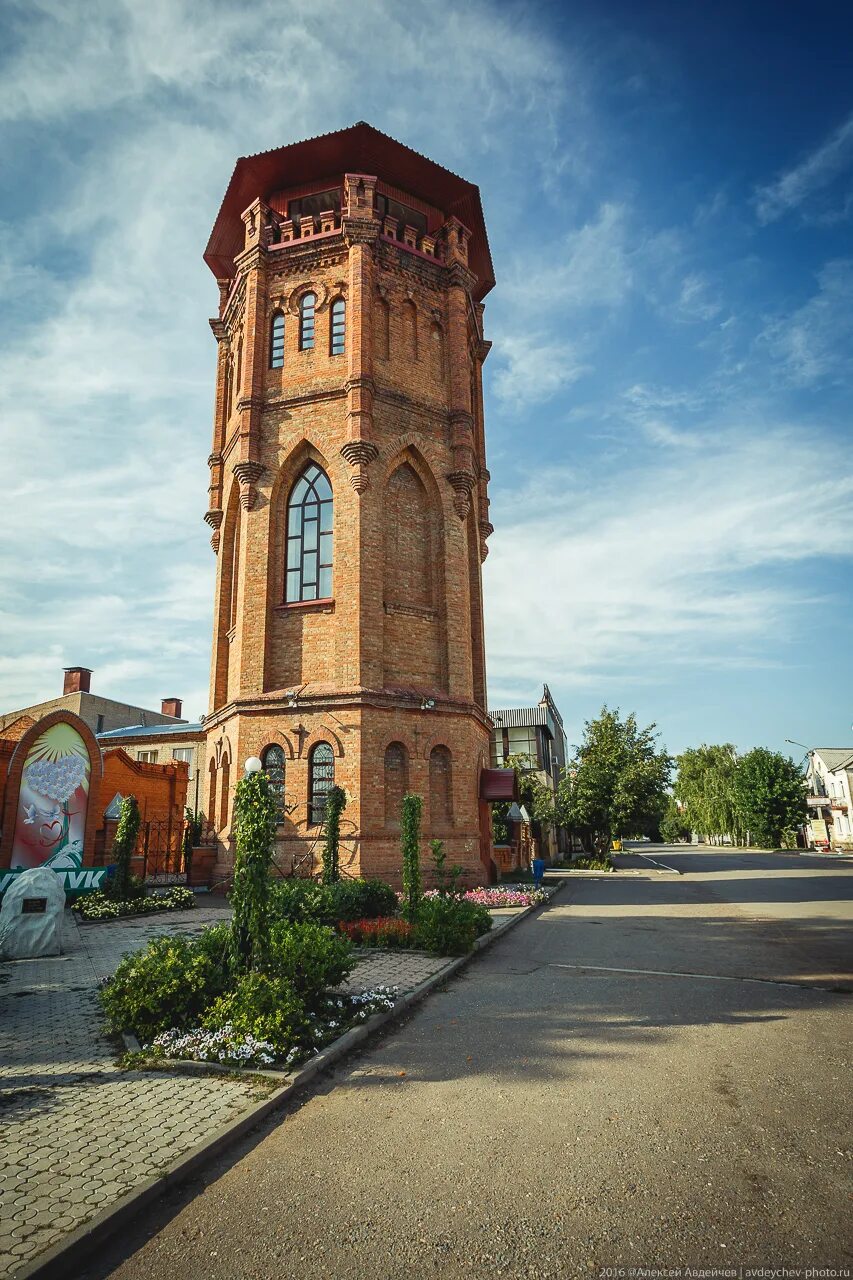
{"x":814,"y":343}
{"x":663,"y":565}
{"x":794,"y":188}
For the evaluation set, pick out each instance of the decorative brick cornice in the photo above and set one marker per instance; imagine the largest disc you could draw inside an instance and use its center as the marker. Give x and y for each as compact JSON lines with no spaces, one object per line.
{"x":461,"y":276}
{"x":360,"y":383}
{"x":462,"y":483}
{"x":249,"y":402}
{"x":482,"y":349}
{"x":215,"y":460}
{"x":247,"y":475}
{"x":359,"y":454}
{"x":360,"y":230}
{"x":218,"y":327}
{"x":486,"y":529}
{"x":214,"y":519}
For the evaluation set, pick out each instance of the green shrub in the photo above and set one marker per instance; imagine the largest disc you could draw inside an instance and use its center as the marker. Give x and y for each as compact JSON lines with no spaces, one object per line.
{"x":169,"y":984}
{"x":119,"y":885}
{"x":336,"y":802}
{"x":298,"y":900}
{"x":360,"y":900}
{"x":255,"y":823}
{"x":310,"y":957}
{"x":266,"y":1007}
{"x":410,"y":844}
{"x":450,"y":926}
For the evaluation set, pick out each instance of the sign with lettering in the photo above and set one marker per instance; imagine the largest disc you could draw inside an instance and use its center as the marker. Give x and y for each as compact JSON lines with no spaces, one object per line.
{"x":33,"y":906}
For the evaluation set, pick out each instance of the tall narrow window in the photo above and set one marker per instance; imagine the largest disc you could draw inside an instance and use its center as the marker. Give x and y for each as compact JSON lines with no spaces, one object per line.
{"x":337,"y":333}
{"x":440,"y":790}
{"x":382,"y":329}
{"x":321,"y":780}
{"x":396,"y":783}
{"x":272,"y":759}
{"x":410,"y":329}
{"x":277,"y":341}
{"x":225,"y":793}
{"x":306,"y":322}
{"x":308,"y":574}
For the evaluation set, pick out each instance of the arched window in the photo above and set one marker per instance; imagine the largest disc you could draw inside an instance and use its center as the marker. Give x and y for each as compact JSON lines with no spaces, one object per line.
{"x":321,"y":779}
{"x":440,"y":790}
{"x":309,"y":537}
{"x":337,"y":332}
{"x":272,"y":759}
{"x":277,"y":341}
{"x":396,"y":783}
{"x":224,"y":793}
{"x":211,"y":796}
{"x":410,"y":329}
{"x":306,"y":322}
{"x":382,"y":329}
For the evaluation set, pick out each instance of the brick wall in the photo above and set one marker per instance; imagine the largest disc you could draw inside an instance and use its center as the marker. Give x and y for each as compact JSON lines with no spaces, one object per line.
{"x":396,"y":654}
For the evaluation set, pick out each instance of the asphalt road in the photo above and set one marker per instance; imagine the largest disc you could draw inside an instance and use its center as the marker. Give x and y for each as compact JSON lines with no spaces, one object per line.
{"x":647,"y":1073}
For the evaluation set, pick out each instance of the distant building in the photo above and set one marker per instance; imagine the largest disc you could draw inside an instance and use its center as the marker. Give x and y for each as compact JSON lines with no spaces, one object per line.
{"x":100,"y":714}
{"x":538,"y":734}
{"x":160,"y":743}
{"x":830,"y":798}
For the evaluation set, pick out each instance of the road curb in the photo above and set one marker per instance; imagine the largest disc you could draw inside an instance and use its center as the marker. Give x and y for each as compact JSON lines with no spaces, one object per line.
{"x":65,"y":1259}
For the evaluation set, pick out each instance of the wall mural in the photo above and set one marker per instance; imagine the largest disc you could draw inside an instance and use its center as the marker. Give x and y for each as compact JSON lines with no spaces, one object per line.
{"x":50,"y":825}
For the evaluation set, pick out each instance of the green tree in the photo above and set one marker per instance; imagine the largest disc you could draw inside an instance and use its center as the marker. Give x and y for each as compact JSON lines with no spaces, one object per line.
{"x":336,"y":802}
{"x":770,"y":793}
{"x":410,"y":841}
{"x":537,"y":798}
{"x":616,"y":783}
{"x":705,"y":787}
{"x":255,"y":822}
{"x":674,"y":825}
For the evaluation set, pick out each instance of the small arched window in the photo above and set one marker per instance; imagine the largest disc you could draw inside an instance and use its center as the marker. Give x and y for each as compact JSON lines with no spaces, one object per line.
{"x":396,"y":783}
{"x":277,"y":341}
{"x":321,"y":769}
{"x":272,"y":758}
{"x":337,"y":332}
{"x":308,"y":575}
{"x":440,"y":790}
{"x":306,"y":321}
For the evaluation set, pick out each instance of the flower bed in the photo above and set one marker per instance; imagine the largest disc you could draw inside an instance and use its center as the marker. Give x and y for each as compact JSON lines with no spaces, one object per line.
{"x":230,"y":1047}
{"x":98,"y":906}
{"x":386,"y":931}
{"x":499,"y":896}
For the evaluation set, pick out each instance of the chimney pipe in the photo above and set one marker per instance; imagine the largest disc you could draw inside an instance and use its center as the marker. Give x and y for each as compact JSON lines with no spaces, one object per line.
{"x":77,"y":680}
{"x":171,"y":707}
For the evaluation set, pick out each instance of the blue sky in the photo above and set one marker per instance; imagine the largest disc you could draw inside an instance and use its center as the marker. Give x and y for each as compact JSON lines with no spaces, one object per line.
{"x":669,"y":196}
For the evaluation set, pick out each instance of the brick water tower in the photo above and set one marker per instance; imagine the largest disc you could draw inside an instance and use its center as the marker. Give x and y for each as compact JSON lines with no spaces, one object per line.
{"x":348,"y":498}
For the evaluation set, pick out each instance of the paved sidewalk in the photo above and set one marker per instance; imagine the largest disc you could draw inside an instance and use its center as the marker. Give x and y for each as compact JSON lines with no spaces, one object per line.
{"x":78,"y":1132}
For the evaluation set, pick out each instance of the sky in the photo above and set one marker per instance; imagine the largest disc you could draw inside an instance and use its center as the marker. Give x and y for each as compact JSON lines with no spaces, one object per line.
{"x":668,"y":190}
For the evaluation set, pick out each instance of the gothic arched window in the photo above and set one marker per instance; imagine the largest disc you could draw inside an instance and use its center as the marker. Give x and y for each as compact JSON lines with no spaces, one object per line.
{"x":277,"y":341}
{"x":309,"y":537}
{"x":337,"y":332}
{"x":396,"y":782}
{"x":440,"y":790}
{"x":272,"y":759}
{"x":306,"y":322}
{"x":321,"y":779}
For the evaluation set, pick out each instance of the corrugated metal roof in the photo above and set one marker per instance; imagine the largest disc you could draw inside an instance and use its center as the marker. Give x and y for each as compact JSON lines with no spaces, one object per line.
{"x":520,"y":717}
{"x":835,"y":757}
{"x":148,"y":731}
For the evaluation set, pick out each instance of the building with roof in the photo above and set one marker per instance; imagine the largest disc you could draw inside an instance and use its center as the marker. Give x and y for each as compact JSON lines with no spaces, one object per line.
{"x":100,"y":714}
{"x":160,"y":743}
{"x":830,"y":798}
{"x":348,"y":498}
{"x":537,"y":734}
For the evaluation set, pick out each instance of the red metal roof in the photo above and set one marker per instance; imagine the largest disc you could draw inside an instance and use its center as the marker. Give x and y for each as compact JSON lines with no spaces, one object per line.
{"x":498,"y":784}
{"x":358,"y":149}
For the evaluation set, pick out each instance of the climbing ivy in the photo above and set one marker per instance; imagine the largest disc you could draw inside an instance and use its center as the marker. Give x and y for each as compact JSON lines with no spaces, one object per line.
{"x":410,"y":840}
{"x":336,"y":801}
{"x":255,"y":821}
{"x":124,"y":847}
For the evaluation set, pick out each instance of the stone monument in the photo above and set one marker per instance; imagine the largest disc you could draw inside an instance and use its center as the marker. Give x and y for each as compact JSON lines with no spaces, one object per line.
{"x":31,"y":915}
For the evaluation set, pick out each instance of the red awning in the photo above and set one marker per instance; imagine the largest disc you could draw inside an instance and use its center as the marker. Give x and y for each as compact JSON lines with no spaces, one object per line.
{"x":498,"y":784}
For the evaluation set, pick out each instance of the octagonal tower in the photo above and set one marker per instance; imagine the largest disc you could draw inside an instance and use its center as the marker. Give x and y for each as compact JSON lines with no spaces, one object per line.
{"x":348,"y":498}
